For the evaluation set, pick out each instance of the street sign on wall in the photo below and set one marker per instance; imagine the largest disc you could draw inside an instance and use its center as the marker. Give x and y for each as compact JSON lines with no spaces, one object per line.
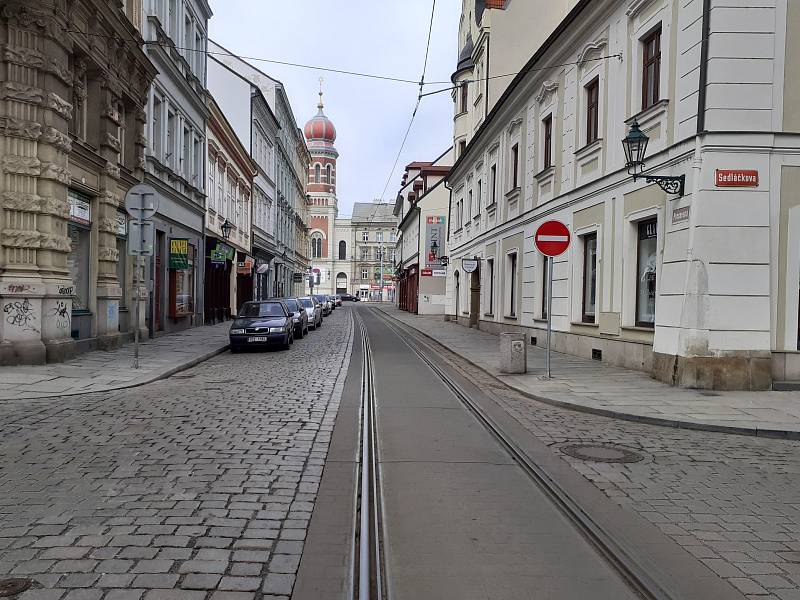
{"x":470,"y":265}
{"x":736,"y":178}
{"x":552,"y":238}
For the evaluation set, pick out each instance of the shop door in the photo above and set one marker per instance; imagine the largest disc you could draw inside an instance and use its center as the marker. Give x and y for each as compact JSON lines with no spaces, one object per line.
{"x":159,"y":281}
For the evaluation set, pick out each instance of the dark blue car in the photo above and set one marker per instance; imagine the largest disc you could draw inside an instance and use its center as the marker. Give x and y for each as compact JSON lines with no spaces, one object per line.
{"x":266,"y":323}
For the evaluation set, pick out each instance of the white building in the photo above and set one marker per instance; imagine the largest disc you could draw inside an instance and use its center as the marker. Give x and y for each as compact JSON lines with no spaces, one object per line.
{"x":699,"y":290}
{"x":421,"y":209}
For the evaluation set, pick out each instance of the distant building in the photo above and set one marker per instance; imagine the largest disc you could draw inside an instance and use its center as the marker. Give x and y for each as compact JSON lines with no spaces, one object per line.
{"x":421,"y":212}
{"x":277,"y":144}
{"x":373,"y":227}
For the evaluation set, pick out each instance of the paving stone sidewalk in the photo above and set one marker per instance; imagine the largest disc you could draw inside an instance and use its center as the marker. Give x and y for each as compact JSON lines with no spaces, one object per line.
{"x":595,"y":387}
{"x":101,"y":371}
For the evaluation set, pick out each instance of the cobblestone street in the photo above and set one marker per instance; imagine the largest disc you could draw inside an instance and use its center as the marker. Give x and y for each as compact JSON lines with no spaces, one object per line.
{"x":731,"y":501}
{"x":198,"y":486}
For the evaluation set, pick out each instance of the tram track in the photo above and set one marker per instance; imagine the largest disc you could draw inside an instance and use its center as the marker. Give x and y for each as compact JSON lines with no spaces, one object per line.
{"x":621,"y":559}
{"x":368,"y":575}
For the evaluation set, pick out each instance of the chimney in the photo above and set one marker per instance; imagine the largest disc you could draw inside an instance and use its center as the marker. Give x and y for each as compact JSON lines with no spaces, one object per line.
{"x":496,"y":4}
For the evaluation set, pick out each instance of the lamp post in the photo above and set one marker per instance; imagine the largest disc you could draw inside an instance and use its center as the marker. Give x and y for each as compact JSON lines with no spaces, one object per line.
{"x":635,"y":146}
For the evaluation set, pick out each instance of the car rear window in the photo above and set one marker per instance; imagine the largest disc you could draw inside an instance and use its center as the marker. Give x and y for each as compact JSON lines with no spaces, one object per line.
{"x":263,"y":309}
{"x":291,"y":305}
{"x":307,"y":302}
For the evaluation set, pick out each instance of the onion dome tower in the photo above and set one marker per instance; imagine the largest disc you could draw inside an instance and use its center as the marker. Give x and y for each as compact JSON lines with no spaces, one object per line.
{"x":320,"y":135}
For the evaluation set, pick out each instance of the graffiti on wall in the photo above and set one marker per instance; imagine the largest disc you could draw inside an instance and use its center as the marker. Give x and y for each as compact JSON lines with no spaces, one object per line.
{"x":20,"y":314}
{"x":62,"y":314}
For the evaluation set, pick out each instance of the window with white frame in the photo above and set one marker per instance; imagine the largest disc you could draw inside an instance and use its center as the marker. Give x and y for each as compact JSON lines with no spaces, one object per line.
{"x":646,"y":261}
{"x":365,"y":236}
{"x":212,"y":186}
{"x":589,"y":310}
{"x":512,"y":284}
{"x":493,"y":184}
{"x":469,"y":205}
{"x":220,"y":189}
{"x":478,"y":196}
{"x":364,"y":253}
{"x":364,"y":273}
{"x":379,"y":236}
{"x":490,"y":286}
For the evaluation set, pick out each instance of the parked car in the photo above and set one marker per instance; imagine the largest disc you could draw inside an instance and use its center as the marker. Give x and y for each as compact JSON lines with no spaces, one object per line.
{"x":338,"y":299}
{"x":313,"y":310}
{"x":264,"y":323}
{"x":349,"y":298}
{"x":332,"y":301}
{"x":326,"y":305}
{"x":299,"y":317}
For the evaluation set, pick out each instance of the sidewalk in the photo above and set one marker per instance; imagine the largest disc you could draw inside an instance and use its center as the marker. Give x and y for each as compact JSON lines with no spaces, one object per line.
{"x":591,"y":386}
{"x":101,"y":371}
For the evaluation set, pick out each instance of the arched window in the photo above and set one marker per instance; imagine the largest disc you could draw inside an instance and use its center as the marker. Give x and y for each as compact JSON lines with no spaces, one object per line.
{"x":329,"y":174}
{"x":316,"y":246}
{"x":317,"y":173}
{"x":342,"y":250}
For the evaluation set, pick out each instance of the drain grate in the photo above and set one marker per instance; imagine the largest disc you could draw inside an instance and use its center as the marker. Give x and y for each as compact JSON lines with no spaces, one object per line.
{"x":14,"y":586}
{"x":604,"y":453}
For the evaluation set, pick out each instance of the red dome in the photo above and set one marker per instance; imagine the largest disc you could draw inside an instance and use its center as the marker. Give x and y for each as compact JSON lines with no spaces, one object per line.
{"x":320,"y":128}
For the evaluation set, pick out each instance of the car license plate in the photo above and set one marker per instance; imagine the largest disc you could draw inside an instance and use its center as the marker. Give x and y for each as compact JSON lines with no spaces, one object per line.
{"x":258,"y":338}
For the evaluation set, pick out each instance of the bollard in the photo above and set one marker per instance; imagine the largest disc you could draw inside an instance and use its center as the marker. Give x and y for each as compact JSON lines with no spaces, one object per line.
{"x":513,"y":353}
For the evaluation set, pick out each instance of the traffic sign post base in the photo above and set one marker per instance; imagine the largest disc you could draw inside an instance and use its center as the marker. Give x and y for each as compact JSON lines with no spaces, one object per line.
{"x":552,"y":239}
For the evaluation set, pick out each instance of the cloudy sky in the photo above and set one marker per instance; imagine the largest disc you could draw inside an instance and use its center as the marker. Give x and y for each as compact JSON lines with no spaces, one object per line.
{"x":384,"y":37}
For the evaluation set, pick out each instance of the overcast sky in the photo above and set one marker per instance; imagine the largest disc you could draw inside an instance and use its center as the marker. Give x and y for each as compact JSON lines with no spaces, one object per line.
{"x":384,"y":37}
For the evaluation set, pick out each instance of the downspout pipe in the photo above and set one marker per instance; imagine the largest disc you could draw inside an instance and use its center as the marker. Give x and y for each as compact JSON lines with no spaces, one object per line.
{"x":703,"y":81}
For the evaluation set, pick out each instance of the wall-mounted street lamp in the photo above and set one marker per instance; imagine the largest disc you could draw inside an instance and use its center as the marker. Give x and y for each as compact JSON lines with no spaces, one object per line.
{"x":635,"y":146}
{"x":226,"y":227}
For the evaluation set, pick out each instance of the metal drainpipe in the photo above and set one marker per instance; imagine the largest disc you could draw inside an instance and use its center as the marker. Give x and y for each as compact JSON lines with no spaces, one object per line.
{"x":701,"y":96}
{"x":486,"y":74}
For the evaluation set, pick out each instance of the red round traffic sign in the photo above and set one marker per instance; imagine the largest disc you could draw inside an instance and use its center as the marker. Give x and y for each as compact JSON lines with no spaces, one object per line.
{"x":552,"y":238}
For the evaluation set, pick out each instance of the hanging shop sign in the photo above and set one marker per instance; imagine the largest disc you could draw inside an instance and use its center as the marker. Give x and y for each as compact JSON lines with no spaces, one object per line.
{"x":426,"y":273}
{"x":297,"y":277}
{"x":434,"y":241}
{"x":736,"y":178}
{"x":80,"y":208}
{"x":218,"y":255}
{"x":178,"y":253}
{"x":263,"y":268}
{"x":470,"y":265}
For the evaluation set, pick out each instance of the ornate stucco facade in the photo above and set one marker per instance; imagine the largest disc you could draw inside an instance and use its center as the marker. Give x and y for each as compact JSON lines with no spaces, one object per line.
{"x":75,"y":83}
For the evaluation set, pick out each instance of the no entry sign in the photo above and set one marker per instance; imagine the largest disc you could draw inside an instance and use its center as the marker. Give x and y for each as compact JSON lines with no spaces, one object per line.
{"x":552,"y":238}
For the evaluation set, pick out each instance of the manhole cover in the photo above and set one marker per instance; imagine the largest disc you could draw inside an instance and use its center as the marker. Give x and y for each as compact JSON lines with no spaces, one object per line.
{"x":12,"y":587}
{"x":605,"y":453}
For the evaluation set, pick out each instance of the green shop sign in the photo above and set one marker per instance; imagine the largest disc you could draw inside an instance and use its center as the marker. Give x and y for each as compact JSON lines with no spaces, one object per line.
{"x":179,"y":253}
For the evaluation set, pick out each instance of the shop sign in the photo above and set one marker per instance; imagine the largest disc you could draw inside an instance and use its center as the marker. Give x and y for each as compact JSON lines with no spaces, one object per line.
{"x":470,"y":265}
{"x":426,"y":273}
{"x":434,"y":240}
{"x":679,"y":215}
{"x":736,"y":178}
{"x":218,"y":255}
{"x":178,"y":253}
{"x":262,"y":268}
{"x":297,"y":277}
{"x":80,"y":210}
{"x":364,"y":286}
{"x":440,"y":272}
{"x":244,"y":267}
{"x":374,"y":286}
{"x":122,"y":224}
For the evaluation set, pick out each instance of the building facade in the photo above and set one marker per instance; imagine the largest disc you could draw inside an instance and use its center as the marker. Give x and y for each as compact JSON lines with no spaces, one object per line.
{"x":373,"y":228}
{"x":286,"y":156}
{"x":698,"y":289}
{"x":421,"y":212}
{"x":229,"y":265}
{"x":72,"y":145}
{"x":177,"y":116}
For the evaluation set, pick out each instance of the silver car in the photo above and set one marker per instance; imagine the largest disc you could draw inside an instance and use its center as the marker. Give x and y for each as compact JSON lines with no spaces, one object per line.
{"x":313,"y":309}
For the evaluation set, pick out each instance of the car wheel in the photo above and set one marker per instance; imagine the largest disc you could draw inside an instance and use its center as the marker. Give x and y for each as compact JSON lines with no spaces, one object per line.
{"x":320,"y":322}
{"x":306,"y":332}
{"x":288,"y":343}
{"x":300,"y":334}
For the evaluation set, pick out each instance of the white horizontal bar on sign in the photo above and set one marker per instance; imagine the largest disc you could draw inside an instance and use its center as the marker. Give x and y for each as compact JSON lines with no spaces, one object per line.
{"x":552,"y":238}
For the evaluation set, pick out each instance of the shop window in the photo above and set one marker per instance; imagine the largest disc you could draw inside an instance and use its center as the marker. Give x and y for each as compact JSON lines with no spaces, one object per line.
{"x":651,"y":68}
{"x":490,"y":276}
{"x":646,"y":274}
{"x":181,"y":278}
{"x":78,"y":264}
{"x":589,"y":277}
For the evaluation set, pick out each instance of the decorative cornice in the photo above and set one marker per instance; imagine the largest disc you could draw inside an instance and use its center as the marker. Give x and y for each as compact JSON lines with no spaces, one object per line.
{"x":548,"y":87}
{"x":636,"y":6}
{"x":598,"y":44}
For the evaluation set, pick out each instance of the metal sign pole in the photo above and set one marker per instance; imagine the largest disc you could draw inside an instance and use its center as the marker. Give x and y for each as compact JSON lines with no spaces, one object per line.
{"x":549,"y":308}
{"x":137,"y":299}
